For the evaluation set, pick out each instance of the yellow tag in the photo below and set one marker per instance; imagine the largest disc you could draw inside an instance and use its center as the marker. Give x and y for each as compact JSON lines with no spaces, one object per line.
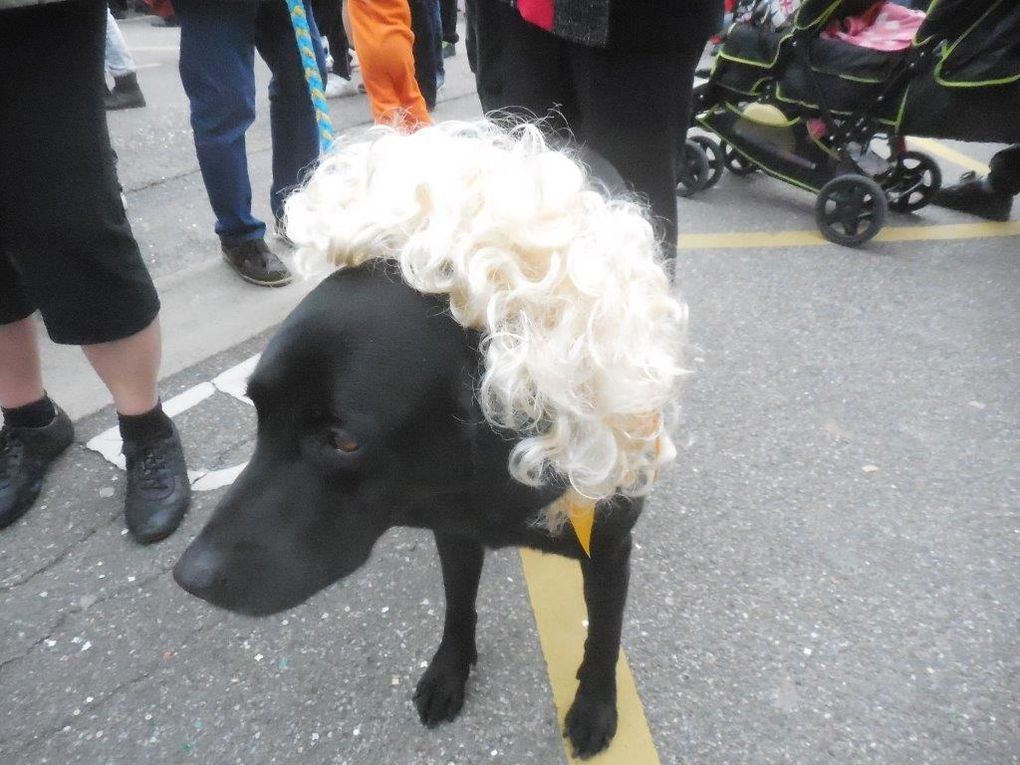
{"x":582,"y":518}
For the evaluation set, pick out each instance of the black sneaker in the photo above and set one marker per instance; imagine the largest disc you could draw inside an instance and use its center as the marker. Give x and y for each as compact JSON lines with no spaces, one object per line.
{"x":256,"y":263}
{"x":25,"y":456}
{"x":158,"y":490}
{"x":975,"y":196}
{"x":126,"y":94}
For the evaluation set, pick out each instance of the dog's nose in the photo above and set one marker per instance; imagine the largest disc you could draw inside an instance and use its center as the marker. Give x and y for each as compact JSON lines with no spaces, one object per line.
{"x":199,"y":570}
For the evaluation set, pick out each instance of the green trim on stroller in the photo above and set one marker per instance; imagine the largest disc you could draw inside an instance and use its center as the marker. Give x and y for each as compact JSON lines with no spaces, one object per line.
{"x":893,"y":122}
{"x":754,"y":161}
{"x":947,"y":49}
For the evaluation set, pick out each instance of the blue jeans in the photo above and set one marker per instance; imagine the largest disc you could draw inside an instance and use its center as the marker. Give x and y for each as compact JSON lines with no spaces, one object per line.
{"x":118,"y":58}
{"x":217,"y":64}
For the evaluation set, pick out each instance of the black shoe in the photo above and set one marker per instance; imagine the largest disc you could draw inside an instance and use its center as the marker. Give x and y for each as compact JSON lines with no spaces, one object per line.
{"x":158,"y":490}
{"x":125,"y":94}
{"x":975,"y":196}
{"x":256,"y":263}
{"x":25,"y":456}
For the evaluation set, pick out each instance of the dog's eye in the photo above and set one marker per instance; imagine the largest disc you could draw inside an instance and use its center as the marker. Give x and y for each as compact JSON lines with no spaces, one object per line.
{"x":341,"y":441}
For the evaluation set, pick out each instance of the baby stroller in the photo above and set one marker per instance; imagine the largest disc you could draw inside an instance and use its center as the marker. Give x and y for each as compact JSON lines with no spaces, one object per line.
{"x":830,"y":117}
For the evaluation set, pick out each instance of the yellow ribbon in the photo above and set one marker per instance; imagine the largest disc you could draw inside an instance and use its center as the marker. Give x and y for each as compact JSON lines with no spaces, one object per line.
{"x":581,"y":510}
{"x":581,"y":513}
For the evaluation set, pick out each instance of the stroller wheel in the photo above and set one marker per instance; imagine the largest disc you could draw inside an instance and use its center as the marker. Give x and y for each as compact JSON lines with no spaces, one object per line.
{"x":850,"y":210}
{"x":692,"y":171}
{"x":716,"y":159}
{"x":737,"y":163}
{"x":912,"y":182}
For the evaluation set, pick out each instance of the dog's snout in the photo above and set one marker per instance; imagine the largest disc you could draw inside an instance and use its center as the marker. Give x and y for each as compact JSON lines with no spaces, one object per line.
{"x":200,"y":570}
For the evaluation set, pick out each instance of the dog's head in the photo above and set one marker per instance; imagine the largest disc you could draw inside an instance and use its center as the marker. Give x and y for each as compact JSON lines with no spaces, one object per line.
{"x":364,"y":402}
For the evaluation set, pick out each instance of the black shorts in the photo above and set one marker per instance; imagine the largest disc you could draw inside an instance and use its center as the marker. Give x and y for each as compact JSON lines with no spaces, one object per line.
{"x":66,"y":247}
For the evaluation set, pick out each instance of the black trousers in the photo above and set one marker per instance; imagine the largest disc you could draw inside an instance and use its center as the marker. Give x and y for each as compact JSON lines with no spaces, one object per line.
{"x":66,"y":248}
{"x":628,"y":105}
{"x":1005,"y":174}
{"x":329,"y":19}
{"x":448,"y":13}
{"x":425,"y":49}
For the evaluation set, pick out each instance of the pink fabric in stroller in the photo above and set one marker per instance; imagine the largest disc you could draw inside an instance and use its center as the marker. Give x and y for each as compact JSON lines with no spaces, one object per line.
{"x":884,"y":26}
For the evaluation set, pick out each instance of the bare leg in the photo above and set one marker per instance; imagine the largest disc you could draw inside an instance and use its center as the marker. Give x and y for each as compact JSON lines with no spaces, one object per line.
{"x":129,"y":368}
{"x":20,"y":372}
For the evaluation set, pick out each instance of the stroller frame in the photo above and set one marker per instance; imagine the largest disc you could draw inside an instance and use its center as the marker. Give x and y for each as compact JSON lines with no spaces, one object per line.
{"x":852,"y":203}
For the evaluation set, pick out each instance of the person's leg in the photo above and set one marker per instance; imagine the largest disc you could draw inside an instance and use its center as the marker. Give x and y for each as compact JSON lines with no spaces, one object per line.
{"x":118,"y":57}
{"x":1004,"y":177}
{"x":520,"y":69}
{"x":329,"y":19}
{"x":130,"y":368}
{"x":82,"y":267}
{"x":448,"y":15}
{"x":126,"y":93}
{"x":217,"y":65}
{"x":21,"y":380}
{"x":990,"y":197}
{"x":292,"y":117}
{"x":34,"y":431}
{"x":424,"y":50}
{"x":470,"y":34}
{"x":381,"y":31}
{"x":632,"y":108}
{"x":436,"y":29}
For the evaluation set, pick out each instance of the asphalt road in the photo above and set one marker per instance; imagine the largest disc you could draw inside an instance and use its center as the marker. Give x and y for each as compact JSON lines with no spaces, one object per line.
{"x":829,"y":574}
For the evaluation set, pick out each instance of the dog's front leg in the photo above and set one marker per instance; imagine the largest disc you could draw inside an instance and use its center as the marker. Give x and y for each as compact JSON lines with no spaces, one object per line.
{"x":440,"y":693}
{"x":591,"y":721}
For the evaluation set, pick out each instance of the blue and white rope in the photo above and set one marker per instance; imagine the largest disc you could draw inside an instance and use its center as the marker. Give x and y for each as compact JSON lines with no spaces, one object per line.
{"x":299,"y":21}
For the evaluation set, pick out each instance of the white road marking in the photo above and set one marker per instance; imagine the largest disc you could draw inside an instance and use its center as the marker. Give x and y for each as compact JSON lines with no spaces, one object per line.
{"x":235,"y":380}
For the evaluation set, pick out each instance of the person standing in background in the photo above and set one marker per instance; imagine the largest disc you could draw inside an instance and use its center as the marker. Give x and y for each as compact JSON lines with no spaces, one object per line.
{"x":217,"y":64}
{"x":126,"y":94}
{"x":67,"y":251}
{"x":990,"y":197}
{"x":382,"y":37}
{"x":448,"y":16}
{"x":616,"y":74}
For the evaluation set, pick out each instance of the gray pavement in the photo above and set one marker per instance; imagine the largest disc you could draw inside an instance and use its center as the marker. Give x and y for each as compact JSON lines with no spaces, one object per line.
{"x":829,"y":574}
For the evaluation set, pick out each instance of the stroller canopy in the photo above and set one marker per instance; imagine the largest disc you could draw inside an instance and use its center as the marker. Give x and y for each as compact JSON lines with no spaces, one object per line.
{"x":980,"y":41}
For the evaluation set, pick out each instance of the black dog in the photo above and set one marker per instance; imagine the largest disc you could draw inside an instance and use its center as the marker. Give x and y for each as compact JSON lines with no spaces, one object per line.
{"x":367,"y":419}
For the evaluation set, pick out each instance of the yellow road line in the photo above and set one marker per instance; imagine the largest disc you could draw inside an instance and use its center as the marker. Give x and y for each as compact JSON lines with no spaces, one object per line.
{"x":554,"y":583}
{"x":758,"y":239}
{"x":555,"y":587}
{"x":948,"y":154}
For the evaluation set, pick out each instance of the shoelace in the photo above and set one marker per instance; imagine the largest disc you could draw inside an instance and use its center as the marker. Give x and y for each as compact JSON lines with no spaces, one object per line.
{"x":11,"y":451}
{"x":154,"y":470}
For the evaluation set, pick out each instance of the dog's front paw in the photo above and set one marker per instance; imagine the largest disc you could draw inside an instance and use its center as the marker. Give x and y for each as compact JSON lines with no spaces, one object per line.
{"x":440,"y":692}
{"x":591,"y":724}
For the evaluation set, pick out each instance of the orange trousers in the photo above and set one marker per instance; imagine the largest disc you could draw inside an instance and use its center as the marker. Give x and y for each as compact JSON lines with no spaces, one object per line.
{"x":382,"y":37}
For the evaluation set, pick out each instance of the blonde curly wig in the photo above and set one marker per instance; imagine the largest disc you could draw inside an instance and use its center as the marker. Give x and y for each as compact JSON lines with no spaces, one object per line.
{"x":581,"y":334}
